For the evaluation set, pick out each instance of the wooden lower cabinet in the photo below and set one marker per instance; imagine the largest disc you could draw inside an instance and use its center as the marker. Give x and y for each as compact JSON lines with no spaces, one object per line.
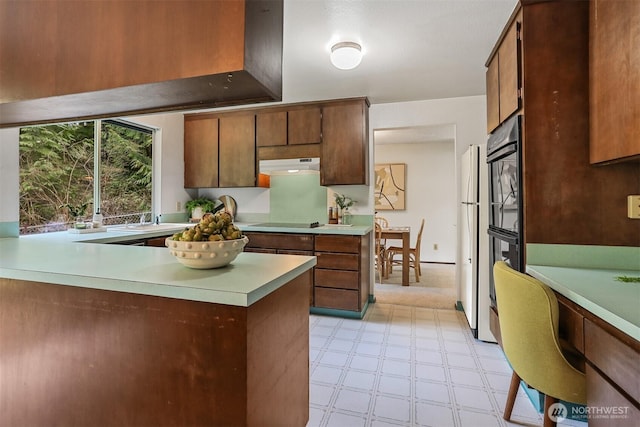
{"x":76,"y":356}
{"x":342,"y":273}
{"x":281,"y":243}
{"x":612,"y":365}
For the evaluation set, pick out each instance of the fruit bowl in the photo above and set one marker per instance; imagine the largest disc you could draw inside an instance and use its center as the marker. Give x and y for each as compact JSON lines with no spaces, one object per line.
{"x":206,"y":254}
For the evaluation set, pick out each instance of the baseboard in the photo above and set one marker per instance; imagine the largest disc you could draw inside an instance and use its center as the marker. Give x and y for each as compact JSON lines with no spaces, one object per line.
{"x":437,"y":262}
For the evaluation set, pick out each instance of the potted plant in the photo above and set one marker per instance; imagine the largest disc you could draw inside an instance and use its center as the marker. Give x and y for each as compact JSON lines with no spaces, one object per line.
{"x":198,"y":207}
{"x":344,"y":203}
{"x":77,"y":212}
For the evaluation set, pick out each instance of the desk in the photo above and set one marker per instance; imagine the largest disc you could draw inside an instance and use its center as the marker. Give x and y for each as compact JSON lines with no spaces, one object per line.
{"x":400,"y":233}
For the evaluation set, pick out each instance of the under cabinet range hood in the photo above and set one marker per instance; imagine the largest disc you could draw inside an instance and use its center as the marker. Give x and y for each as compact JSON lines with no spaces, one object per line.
{"x":289,"y":166}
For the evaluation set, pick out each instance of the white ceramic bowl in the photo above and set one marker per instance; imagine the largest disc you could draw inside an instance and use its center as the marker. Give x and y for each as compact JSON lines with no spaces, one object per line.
{"x":203,"y":255}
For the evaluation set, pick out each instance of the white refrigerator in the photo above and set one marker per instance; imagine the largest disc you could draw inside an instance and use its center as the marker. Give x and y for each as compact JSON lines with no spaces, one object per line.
{"x":474,"y":271}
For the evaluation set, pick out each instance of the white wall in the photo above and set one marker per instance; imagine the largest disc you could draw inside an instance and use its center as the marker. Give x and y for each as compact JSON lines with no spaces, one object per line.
{"x":430,"y":194}
{"x":9,"y":182}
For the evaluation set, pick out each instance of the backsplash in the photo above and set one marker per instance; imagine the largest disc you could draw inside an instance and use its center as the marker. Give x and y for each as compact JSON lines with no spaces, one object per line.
{"x":297,"y":198}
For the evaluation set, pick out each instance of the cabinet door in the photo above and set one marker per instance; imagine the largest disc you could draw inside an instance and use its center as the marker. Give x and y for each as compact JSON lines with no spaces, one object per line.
{"x":237,"y":164}
{"x":305,"y":126}
{"x":493,"y":95}
{"x":614,"y":80}
{"x":271,"y":128}
{"x":200,"y":152}
{"x":344,"y":144}
{"x":509,"y":72}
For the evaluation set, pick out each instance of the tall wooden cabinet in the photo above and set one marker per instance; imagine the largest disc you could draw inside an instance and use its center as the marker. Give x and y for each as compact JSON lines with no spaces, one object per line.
{"x":614,"y":80}
{"x":566,"y":199}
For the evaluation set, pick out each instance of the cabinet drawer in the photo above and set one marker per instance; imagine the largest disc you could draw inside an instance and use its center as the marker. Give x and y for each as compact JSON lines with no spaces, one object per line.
{"x":337,"y":261}
{"x":337,"y":279}
{"x":303,"y":242}
{"x":601,"y":394}
{"x":338,"y":243}
{"x":614,"y":358}
{"x":340,"y":299}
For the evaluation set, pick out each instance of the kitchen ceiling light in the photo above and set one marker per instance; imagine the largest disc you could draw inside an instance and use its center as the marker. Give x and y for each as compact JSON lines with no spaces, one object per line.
{"x":346,"y":55}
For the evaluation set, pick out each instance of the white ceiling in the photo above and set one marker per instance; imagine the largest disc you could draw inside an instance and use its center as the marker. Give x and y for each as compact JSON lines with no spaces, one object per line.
{"x":413,"y":50}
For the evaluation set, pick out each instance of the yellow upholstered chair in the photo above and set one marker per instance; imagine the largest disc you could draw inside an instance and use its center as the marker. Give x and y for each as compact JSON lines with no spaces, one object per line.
{"x":528,"y":316}
{"x":414,"y":255}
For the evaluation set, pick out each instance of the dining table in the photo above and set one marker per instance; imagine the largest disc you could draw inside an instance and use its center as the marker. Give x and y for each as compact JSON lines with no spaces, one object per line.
{"x":400,"y":233}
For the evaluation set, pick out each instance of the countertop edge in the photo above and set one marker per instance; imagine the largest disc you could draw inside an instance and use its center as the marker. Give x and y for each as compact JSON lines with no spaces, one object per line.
{"x":610,"y":317}
{"x":147,"y":270}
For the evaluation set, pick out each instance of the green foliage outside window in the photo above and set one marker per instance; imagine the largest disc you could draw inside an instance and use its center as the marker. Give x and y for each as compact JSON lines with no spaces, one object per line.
{"x":57,"y":168}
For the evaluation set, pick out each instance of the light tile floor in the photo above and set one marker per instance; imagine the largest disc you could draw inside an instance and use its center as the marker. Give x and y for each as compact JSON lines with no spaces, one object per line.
{"x":408,"y":366}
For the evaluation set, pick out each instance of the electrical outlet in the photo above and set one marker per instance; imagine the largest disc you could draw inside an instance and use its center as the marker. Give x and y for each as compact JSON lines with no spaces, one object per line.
{"x":435,"y":246}
{"x":178,"y":206}
{"x":633,"y":207}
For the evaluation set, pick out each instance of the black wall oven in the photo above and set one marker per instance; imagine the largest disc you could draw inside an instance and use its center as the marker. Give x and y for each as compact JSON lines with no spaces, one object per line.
{"x":504,"y":159}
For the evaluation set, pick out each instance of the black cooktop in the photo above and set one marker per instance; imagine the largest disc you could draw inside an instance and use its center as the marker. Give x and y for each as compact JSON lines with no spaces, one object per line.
{"x":289,"y":224}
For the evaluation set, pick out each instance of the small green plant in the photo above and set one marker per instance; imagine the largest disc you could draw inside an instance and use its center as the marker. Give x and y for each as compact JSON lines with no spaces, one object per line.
{"x":343,"y":201}
{"x":207,"y":205}
{"x":628,"y":279}
{"x":76,"y":211}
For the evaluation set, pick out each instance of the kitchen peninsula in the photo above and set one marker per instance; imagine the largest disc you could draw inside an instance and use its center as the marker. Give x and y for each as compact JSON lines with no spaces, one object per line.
{"x":97,"y":334}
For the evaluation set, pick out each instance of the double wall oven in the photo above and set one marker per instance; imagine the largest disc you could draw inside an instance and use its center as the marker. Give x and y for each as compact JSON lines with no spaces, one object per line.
{"x":504,"y":153}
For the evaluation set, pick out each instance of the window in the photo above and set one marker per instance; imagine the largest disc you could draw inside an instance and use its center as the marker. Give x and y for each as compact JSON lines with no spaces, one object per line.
{"x":58,"y":166}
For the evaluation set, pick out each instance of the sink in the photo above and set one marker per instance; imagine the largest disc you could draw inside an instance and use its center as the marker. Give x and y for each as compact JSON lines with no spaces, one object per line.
{"x":147,"y":227}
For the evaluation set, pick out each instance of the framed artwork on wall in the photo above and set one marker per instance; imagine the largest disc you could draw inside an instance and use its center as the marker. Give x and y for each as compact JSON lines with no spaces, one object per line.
{"x":389,"y":192}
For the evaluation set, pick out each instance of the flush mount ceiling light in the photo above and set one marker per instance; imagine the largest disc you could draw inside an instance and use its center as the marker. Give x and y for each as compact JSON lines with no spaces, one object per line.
{"x":346,"y":55}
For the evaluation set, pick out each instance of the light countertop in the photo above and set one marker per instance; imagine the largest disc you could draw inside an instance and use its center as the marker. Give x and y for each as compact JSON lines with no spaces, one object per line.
{"x":60,"y":258}
{"x":587,"y":276}
{"x":85,"y":260}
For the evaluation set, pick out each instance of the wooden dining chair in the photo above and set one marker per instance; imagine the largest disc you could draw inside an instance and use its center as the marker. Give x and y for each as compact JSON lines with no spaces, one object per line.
{"x":414,"y":256}
{"x":383,"y":224}
{"x":382,"y":221}
{"x":380,"y":252}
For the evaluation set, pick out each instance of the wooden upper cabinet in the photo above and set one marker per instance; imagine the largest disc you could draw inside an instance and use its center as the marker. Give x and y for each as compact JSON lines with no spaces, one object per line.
{"x":493,"y":95}
{"x":509,"y":72}
{"x":305,"y":125}
{"x":271,"y":128}
{"x":200,"y":152}
{"x":614,"y":80}
{"x":503,"y":78}
{"x":345,"y":144}
{"x":237,"y":163}
{"x":301,"y":125}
